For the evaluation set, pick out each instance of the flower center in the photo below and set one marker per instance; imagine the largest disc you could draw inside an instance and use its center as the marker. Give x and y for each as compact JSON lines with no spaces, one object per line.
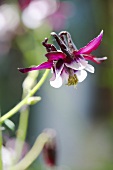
{"x":72,"y":80}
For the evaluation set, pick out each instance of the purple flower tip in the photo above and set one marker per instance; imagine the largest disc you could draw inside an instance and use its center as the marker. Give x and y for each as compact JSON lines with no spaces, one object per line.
{"x":50,"y":148}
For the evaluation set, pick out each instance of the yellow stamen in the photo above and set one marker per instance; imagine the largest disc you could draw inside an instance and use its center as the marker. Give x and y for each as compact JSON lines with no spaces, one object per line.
{"x":72,"y":80}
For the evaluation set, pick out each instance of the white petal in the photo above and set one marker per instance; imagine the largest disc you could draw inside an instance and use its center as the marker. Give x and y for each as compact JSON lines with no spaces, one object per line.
{"x":81,"y":75}
{"x":90,"y":68}
{"x":81,"y":64}
{"x":58,"y":71}
{"x":53,"y":76}
{"x":57,"y":82}
{"x":65,"y":76}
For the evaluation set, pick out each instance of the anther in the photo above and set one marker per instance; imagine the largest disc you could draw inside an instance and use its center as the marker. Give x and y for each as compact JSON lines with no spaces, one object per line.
{"x":72,"y":80}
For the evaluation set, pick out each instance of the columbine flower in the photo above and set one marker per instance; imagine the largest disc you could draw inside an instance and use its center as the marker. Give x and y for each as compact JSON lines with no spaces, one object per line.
{"x":68,"y":63}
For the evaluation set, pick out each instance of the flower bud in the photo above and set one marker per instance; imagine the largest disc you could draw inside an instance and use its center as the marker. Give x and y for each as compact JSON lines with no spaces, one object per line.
{"x":33,"y":100}
{"x":50,"y":148}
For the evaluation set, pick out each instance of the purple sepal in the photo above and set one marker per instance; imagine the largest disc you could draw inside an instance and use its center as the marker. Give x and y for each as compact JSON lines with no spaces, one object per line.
{"x":91,"y":46}
{"x":45,"y":65}
{"x":95,"y":59}
{"x":55,"y":56}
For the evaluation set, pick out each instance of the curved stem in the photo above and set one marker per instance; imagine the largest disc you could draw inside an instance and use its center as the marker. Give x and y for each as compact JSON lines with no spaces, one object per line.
{"x":24,"y":116}
{"x":1,"y":166}
{"x":24,"y":101}
{"x":32,"y":154}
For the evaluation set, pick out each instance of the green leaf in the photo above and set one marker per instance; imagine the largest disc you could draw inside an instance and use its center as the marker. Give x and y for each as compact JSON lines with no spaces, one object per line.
{"x":9,"y":124}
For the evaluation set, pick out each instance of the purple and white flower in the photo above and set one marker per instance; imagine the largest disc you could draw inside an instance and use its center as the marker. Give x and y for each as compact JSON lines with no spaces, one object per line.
{"x":68,"y":64}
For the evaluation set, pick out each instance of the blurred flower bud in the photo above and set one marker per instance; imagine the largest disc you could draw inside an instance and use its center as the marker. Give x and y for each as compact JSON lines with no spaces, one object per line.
{"x":33,"y":100}
{"x":50,"y":148}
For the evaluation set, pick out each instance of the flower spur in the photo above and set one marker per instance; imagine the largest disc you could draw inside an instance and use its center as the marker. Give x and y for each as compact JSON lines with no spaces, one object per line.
{"x":68,"y":64}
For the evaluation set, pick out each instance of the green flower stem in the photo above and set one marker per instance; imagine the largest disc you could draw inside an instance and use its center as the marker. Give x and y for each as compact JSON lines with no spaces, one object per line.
{"x":24,"y":116}
{"x":0,"y":149}
{"x":0,"y":145}
{"x":32,"y":154}
{"x":22,"y":131}
{"x":24,"y":101}
{"x":23,"y":121}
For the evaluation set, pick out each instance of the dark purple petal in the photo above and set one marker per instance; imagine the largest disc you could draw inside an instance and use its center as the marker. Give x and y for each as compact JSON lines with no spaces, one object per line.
{"x":45,"y":65}
{"x":92,"y":45}
{"x":55,"y":56}
{"x":95,"y":59}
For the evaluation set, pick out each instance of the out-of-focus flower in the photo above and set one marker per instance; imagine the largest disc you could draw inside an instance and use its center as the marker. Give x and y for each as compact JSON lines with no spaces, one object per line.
{"x":9,"y":154}
{"x":50,"y":148}
{"x":6,"y":158}
{"x":9,"y":18}
{"x":37,"y":10}
{"x":32,"y":13}
{"x":23,"y":3}
{"x":68,"y":63}
{"x":53,"y":10}
{"x":9,"y":21}
{"x":10,"y":144}
{"x":64,"y":10}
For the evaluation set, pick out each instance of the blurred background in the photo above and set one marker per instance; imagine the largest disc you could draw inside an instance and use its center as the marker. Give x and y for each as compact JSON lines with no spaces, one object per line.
{"x":82,"y":116}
